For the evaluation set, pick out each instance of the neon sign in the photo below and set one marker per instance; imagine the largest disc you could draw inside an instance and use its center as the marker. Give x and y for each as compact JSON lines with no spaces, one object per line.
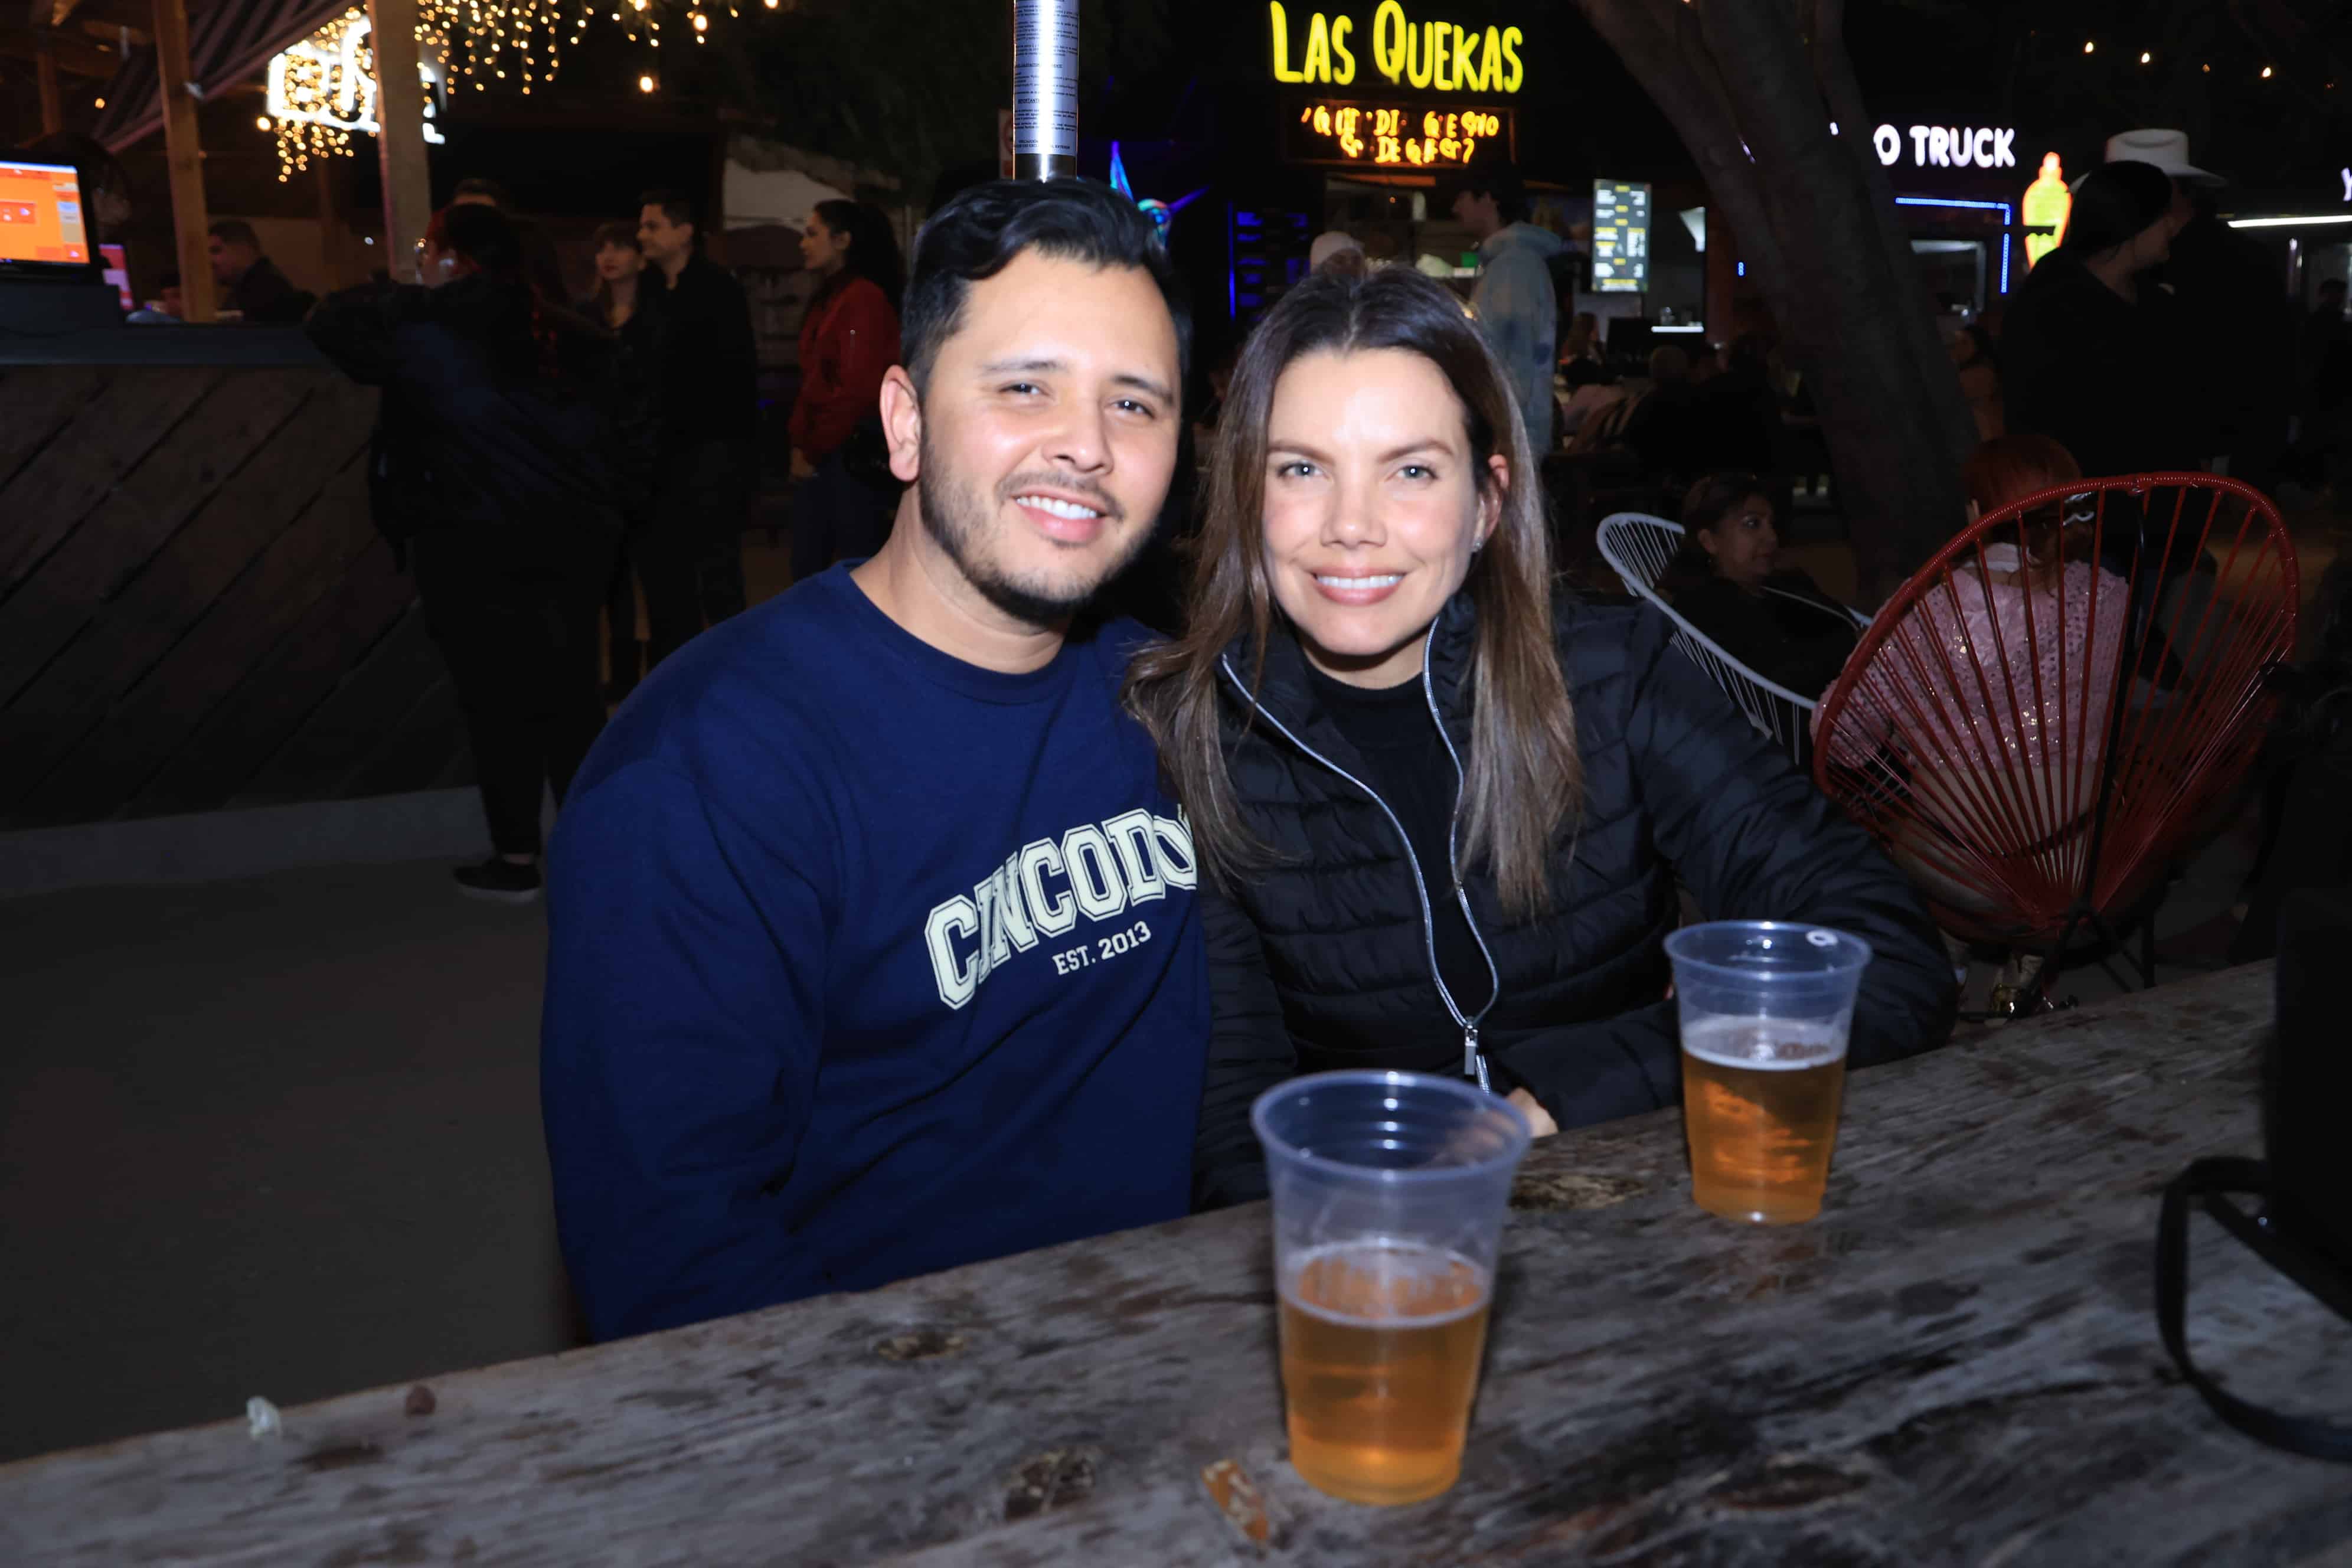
{"x":322,"y":91}
{"x":1435,"y":55}
{"x":1949,"y":146}
{"x":1392,"y":135}
{"x":2048,"y":204}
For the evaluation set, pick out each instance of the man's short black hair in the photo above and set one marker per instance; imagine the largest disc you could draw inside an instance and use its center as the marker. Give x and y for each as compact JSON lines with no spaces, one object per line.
{"x":1494,"y":178}
{"x":475,"y":186}
{"x":979,"y":234}
{"x":234,"y":231}
{"x":676,"y":206}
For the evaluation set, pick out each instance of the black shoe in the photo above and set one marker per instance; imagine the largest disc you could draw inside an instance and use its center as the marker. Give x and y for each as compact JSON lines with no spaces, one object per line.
{"x":500,"y":880}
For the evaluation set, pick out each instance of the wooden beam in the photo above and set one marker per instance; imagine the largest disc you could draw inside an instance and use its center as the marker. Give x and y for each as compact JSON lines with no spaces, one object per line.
{"x":59,"y":10}
{"x":53,"y":109}
{"x":334,"y":235}
{"x":183,"y":155}
{"x":399,"y":139}
{"x":74,"y":56}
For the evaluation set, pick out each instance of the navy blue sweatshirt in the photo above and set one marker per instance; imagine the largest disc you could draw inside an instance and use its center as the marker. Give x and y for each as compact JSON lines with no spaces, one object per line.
{"x":864,"y":963}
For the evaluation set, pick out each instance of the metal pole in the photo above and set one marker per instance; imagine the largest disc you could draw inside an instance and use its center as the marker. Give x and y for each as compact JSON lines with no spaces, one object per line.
{"x":1044,"y":89}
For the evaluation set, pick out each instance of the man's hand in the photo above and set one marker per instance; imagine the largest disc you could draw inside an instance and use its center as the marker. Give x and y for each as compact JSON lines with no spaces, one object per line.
{"x":801,"y":468}
{"x":1532,"y":1108}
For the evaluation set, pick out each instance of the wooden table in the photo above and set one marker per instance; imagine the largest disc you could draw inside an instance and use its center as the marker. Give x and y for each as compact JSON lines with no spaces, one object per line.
{"x":1957,"y":1363}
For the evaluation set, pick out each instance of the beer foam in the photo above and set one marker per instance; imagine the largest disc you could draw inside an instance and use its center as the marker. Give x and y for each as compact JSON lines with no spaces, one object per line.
{"x":1377,"y":1267}
{"x":1764,"y":1045}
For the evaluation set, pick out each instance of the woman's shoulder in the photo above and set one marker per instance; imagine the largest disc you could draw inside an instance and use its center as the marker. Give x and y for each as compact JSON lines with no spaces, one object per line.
{"x":1605,"y":642}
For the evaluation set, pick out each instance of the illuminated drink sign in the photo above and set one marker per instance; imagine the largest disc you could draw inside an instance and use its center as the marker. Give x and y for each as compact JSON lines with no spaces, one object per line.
{"x":1441,"y":57}
{"x":1620,"y":237}
{"x":1393,"y":135}
{"x":329,"y":80}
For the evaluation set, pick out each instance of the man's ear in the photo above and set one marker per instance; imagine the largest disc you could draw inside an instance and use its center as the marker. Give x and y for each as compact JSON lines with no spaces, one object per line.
{"x":902,"y":424}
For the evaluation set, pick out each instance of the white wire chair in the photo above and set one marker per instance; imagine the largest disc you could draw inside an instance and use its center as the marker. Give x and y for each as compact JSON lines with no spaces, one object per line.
{"x":1638,"y":548}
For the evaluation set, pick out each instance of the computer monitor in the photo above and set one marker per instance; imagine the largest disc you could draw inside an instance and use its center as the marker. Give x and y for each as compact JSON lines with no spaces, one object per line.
{"x":42,"y":231}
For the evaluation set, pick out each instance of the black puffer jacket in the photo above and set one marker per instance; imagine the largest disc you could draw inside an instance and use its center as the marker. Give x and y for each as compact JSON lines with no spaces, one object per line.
{"x":1323,"y":961}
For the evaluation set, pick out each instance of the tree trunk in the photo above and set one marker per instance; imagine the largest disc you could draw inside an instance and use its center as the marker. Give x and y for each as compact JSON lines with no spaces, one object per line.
{"x":1752,"y":87}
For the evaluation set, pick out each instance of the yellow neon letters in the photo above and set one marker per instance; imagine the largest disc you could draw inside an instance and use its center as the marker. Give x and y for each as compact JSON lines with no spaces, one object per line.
{"x":1437,"y":54}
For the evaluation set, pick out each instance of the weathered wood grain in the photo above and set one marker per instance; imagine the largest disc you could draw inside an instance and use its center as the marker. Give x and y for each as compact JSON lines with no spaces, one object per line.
{"x":153,"y":502}
{"x":170,"y":592}
{"x":88,"y":455}
{"x":1957,"y":1363}
{"x":35,"y":402}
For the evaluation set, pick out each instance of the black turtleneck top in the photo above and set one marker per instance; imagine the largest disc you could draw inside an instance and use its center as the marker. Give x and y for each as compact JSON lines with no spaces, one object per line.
{"x":1406,"y":764}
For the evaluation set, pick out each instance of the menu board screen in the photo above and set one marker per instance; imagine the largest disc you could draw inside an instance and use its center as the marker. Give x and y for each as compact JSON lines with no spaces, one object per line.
{"x":1620,"y":237}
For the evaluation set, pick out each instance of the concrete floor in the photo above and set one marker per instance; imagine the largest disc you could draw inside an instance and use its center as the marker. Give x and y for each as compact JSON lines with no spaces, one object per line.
{"x":276,"y":1136}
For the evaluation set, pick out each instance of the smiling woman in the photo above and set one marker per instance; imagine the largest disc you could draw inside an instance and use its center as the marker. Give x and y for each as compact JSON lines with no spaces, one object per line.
{"x":1444,"y":812}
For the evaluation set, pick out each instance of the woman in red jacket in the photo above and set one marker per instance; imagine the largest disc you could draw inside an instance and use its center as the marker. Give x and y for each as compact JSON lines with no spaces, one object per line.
{"x":848,"y":339}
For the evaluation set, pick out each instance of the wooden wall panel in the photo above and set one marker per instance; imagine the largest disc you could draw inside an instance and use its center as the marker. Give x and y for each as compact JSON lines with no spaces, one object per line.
{"x":89,"y":455}
{"x":135,"y":520}
{"x":194,"y":611}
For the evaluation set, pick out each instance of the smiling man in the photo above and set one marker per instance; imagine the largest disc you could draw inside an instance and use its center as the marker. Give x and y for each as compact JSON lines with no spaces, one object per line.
{"x":873,"y":947}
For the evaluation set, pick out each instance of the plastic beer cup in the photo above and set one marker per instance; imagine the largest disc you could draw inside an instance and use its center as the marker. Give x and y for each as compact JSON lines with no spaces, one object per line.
{"x":1766,"y":1008}
{"x":1389,"y":1194}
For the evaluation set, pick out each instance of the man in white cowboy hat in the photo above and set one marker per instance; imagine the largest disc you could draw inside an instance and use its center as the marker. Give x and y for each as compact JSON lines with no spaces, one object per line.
{"x":2239,"y":334}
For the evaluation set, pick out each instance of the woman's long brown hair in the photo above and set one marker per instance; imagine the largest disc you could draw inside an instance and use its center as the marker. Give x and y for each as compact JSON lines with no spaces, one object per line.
{"x":1522,"y":778}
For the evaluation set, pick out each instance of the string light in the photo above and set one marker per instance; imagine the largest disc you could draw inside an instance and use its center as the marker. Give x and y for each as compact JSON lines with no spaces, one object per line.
{"x":2266,"y":73}
{"x":2145,"y":57}
{"x":644,"y":84}
{"x":101,"y":102}
{"x":2088,"y":47}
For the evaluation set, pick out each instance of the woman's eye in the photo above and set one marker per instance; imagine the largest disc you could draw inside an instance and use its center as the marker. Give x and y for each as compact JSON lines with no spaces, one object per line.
{"x":1418,"y":472}
{"x":1129,"y":405}
{"x":1297,"y":469}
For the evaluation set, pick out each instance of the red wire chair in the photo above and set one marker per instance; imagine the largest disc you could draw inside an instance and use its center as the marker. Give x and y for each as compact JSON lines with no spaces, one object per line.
{"x":2033,"y":740}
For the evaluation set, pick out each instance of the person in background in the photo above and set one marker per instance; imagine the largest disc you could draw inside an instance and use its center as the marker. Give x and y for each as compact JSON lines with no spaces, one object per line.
{"x":1740,"y":427}
{"x":620,"y":265}
{"x":540,"y":261}
{"x":872,"y":947}
{"x":496,"y":401}
{"x":1728,"y":582}
{"x":1663,"y":426}
{"x":250,"y":282}
{"x":2003,"y":659}
{"x":1440,"y":808}
{"x":475,"y":191}
{"x":1971,"y":349}
{"x":1337,"y":250}
{"x":1516,"y":305}
{"x":705,"y":367}
{"x":2089,"y":352}
{"x":1583,"y":347}
{"x":849,"y":341}
{"x":2323,"y":384}
{"x":2236,"y":340}
{"x":165,"y":309}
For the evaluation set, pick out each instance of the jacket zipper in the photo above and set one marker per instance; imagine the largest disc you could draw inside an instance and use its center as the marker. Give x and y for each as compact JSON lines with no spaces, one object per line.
{"x":1474,"y":1060}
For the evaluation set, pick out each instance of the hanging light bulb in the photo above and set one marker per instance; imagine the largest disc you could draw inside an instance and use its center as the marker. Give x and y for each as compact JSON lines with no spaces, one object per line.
{"x":2145,"y":57}
{"x":644,"y":84}
{"x":2088,"y":47}
{"x":2266,"y":73}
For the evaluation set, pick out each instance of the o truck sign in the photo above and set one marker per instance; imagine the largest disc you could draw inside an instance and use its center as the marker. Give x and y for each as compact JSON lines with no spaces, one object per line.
{"x":1949,"y":146}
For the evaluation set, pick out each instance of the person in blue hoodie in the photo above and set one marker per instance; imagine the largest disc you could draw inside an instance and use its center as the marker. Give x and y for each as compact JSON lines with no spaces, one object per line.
{"x":1516,"y":303}
{"x":873,"y":947}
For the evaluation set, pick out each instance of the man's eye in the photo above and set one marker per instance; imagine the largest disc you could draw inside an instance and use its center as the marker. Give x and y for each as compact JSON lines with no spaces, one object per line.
{"x":1133,"y":407}
{"x":1024,"y":388}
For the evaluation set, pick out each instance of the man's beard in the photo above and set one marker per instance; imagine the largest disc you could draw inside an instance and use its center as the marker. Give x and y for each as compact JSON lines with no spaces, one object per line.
{"x":959,"y":520}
